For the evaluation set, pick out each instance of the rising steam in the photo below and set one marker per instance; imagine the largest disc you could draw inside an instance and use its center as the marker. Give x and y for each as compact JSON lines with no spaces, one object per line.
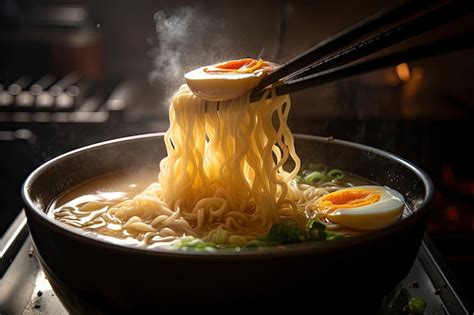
{"x":185,"y":40}
{"x":172,"y":33}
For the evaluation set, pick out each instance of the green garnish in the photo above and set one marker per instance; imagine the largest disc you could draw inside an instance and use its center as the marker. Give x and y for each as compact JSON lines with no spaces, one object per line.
{"x":336,"y":174}
{"x":314,"y":177}
{"x":289,"y":232}
{"x":286,"y":232}
{"x":317,"y":232}
{"x":197,"y":244}
{"x":416,"y":306}
{"x":315,"y":173}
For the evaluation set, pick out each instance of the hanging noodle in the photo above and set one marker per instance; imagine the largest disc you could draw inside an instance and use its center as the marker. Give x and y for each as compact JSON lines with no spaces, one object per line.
{"x":222,"y":180}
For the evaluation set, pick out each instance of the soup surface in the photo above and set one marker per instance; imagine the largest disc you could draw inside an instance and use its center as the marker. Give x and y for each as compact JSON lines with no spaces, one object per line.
{"x":85,"y":205}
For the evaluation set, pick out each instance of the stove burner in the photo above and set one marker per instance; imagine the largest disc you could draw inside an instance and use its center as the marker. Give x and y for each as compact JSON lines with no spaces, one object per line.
{"x":70,"y":98}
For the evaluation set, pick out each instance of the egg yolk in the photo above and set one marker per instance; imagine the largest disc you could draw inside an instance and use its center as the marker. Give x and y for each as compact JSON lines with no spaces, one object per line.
{"x":350,"y":198}
{"x":247,"y":65}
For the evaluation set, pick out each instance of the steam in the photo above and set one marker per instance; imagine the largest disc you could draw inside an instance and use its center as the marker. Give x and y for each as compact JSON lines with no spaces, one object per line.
{"x":185,"y":40}
{"x":172,"y":33}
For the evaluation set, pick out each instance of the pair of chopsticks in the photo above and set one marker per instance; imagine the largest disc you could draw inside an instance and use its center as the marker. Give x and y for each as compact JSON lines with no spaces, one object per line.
{"x":336,"y":58}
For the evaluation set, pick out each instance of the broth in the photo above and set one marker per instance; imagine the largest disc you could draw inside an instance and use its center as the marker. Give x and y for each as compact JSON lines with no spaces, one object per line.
{"x":122,"y":185}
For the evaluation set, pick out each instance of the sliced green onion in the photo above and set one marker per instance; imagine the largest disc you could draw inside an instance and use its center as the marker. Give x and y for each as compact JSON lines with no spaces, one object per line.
{"x":417,"y":306}
{"x":314,"y":177}
{"x":336,"y":174}
{"x":194,"y":243}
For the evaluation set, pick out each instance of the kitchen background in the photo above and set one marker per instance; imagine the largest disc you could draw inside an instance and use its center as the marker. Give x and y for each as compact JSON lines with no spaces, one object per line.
{"x":78,"y":72}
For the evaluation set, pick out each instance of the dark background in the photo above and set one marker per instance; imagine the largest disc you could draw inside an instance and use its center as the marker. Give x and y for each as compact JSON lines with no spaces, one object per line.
{"x":119,"y":65}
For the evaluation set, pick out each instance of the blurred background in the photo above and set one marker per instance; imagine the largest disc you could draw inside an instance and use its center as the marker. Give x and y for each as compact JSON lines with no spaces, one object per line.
{"x":78,"y":72}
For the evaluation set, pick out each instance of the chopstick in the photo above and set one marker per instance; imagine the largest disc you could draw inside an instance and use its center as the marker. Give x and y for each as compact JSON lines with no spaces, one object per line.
{"x":347,"y":36}
{"x":416,"y":26}
{"x":421,"y":24}
{"x":438,"y":47}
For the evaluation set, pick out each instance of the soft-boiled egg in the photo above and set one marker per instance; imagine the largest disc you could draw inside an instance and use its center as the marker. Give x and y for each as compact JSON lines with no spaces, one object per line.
{"x":362,"y":207}
{"x":227,"y":80}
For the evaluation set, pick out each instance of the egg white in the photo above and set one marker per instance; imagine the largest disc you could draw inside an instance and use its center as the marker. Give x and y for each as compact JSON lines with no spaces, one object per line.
{"x":220,"y":86}
{"x":386,"y":211}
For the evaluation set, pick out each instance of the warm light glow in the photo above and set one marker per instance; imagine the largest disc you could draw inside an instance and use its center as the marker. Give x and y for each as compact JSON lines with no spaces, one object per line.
{"x":403,"y":72}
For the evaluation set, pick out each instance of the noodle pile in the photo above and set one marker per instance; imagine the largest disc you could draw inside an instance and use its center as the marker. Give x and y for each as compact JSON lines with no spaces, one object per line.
{"x":222,"y":181}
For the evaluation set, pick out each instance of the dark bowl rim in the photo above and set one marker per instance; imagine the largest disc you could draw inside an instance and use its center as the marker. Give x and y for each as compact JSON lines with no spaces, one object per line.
{"x":292,"y":249}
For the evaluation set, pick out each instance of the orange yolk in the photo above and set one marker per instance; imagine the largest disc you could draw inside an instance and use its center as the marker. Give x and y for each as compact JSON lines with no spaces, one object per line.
{"x":247,"y":65}
{"x":350,"y":198}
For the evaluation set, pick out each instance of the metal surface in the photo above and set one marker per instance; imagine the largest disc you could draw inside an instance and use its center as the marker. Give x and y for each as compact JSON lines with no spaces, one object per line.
{"x":11,"y":242}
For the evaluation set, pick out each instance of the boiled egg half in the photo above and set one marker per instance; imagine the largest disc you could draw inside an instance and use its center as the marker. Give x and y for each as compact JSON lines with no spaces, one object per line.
{"x":227,"y":80}
{"x":362,"y":207}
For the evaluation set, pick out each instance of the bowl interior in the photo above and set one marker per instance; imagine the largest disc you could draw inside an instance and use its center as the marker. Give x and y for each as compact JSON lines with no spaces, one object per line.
{"x":71,"y":169}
